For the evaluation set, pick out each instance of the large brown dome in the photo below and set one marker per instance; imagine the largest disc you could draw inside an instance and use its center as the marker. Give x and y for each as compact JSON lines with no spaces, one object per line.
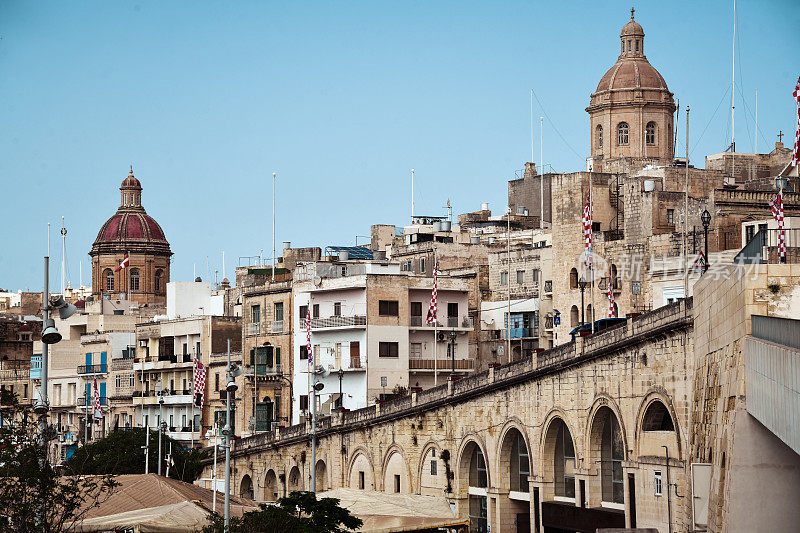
{"x":631,"y":73}
{"x":131,"y":229}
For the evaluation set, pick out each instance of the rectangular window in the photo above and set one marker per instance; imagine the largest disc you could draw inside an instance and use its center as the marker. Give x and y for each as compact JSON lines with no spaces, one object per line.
{"x":749,"y":233}
{"x":388,"y":307}
{"x":658,"y":486}
{"x":338,"y":348}
{"x":279,"y":311}
{"x":520,"y":277}
{"x":304,"y":402}
{"x":216,"y":381}
{"x":397,"y":482}
{"x":337,"y":309}
{"x":422,"y":265}
{"x":303,"y":351}
{"x":670,"y":216}
{"x":255,"y":313}
{"x":452,"y":309}
{"x":535,"y":275}
{"x":433,"y":467}
{"x":388,"y":349}
{"x":503,"y":279}
{"x":415,"y":350}
{"x":131,"y":380}
{"x":315,"y":311}
{"x":361,"y":479}
{"x":303,"y":313}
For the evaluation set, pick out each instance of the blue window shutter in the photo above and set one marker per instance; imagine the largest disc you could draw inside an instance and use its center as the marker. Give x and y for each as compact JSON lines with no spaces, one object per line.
{"x":102,"y":358}
{"x":102,"y":390}
{"x":88,"y":388}
{"x":88,"y":358}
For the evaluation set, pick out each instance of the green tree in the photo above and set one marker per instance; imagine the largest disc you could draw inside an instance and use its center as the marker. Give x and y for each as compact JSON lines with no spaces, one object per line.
{"x":120,"y":452}
{"x":29,"y":486}
{"x":300,"y":512}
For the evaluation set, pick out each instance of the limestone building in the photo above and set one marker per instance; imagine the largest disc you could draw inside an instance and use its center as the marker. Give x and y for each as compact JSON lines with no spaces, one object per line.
{"x":131,"y":231}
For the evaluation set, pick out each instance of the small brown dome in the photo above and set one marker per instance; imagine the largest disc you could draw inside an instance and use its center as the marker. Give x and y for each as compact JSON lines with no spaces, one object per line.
{"x":632,"y":27}
{"x":635,"y":73}
{"x":130,"y":182}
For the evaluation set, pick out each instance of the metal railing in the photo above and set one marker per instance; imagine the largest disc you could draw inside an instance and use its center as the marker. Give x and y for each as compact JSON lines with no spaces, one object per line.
{"x":253,"y":328}
{"x":276,"y":326}
{"x":93,"y":369}
{"x":263,"y":370}
{"x":82,"y":401}
{"x":452,"y":322}
{"x":338,"y":321}
{"x":518,"y":333}
{"x":764,"y":247}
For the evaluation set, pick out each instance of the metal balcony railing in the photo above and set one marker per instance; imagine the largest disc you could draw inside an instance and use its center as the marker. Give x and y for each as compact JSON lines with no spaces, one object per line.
{"x":253,"y":328}
{"x":764,"y":247}
{"x":82,"y":401}
{"x":264,"y":370}
{"x":338,"y":321}
{"x":93,"y":369}
{"x":518,"y":333}
{"x":416,"y":321}
{"x":276,"y":326}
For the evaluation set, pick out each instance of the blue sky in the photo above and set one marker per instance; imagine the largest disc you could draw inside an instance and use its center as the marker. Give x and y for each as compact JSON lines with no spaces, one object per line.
{"x":342,"y":99}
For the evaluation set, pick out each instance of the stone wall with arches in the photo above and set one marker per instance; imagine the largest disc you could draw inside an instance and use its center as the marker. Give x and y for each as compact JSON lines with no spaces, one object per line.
{"x":574,"y":432}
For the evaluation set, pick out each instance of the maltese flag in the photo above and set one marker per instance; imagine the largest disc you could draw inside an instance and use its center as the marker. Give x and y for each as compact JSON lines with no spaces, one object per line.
{"x":125,"y":261}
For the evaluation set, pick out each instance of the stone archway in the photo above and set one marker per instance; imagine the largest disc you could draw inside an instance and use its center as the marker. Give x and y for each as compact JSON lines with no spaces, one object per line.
{"x":321,"y":473}
{"x":271,"y":489}
{"x":473,"y":481}
{"x":246,"y":488}
{"x":395,"y":473}
{"x":295,"y":480}
{"x":512,"y":472}
{"x":362,"y":475}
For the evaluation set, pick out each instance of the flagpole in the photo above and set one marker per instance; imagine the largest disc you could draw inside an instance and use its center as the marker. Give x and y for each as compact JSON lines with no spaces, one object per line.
{"x":591,"y":264}
{"x":435,"y":322}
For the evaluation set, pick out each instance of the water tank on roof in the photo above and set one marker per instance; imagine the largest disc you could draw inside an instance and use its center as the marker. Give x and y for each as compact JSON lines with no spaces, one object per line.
{"x":649,"y":185}
{"x":474,"y":240}
{"x":485,"y":206}
{"x":344,"y":255}
{"x":446,"y":225}
{"x":437,"y":226}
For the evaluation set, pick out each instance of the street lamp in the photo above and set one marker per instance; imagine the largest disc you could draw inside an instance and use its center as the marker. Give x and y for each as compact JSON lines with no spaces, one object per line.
{"x":341,"y":397}
{"x":213,"y":433}
{"x":582,"y":286}
{"x":453,"y":355}
{"x":161,"y":423}
{"x":230,"y":388}
{"x":705,"y":218}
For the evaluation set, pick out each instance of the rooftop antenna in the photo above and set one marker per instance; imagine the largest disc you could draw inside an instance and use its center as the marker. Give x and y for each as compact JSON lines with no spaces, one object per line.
{"x":223,"y":264}
{"x":541,"y":173}
{"x":755,"y":133}
{"x":274,"y":175}
{"x":412,"y":195}
{"x":531,"y":125}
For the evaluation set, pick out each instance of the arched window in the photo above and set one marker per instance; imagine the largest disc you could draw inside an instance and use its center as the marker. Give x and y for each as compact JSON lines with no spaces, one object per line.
{"x":520,"y":464}
{"x":589,"y":315}
{"x":612,"y":454}
{"x":657,"y":418}
{"x":650,"y":133}
{"x":109,"y":276}
{"x":477,"y":469}
{"x":134,"y":279}
{"x":573,"y":316}
{"x":573,"y":279}
{"x":478,"y":482}
{"x":598,"y":136}
{"x":564,"y":463}
{"x":622,"y":133}
{"x":158,"y":276}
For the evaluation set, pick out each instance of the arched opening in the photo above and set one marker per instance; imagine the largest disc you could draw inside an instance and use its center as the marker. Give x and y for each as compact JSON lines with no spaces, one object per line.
{"x":573,"y":279}
{"x":361,"y":475}
{"x":432,"y":479}
{"x":559,"y":461}
{"x":650,"y":133}
{"x":514,"y":468}
{"x":657,"y":418}
{"x":608,"y":447}
{"x":134,"y":279}
{"x":589,"y":315}
{"x":158,"y":279}
{"x":622,"y":133}
{"x":295,"y":480}
{"x":395,"y":475}
{"x":574,"y":316}
{"x":473,"y":470}
{"x":271,"y":486}
{"x":320,"y":481}
{"x":246,"y":488}
{"x":598,"y":137}
{"x":109,"y":279}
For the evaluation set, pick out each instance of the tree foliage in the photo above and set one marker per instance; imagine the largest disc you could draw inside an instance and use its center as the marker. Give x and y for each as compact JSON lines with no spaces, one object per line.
{"x":300,"y":512}
{"x":120,"y":452}
{"x":33,"y":496}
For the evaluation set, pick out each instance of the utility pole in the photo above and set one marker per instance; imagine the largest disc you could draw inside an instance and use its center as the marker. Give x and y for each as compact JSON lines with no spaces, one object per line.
{"x":146,"y":448}
{"x":274,"y":175}
{"x":686,"y":215}
{"x":314,"y":431}
{"x":160,"y":393}
{"x":508,"y":282}
{"x":42,"y":407}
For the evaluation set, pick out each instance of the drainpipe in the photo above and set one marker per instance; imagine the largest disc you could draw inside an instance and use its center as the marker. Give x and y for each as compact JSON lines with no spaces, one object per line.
{"x":669,"y":498}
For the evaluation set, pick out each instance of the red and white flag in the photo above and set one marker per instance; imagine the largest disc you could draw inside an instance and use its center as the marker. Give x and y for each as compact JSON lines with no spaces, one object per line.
{"x":796,"y":152}
{"x":198,"y":384}
{"x":777,"y":211}
{"x":125,"y":262}
{"x":587,"y":228}
{"x":431,"y":318}
{"x":308,"y":339}
{"x":98,"y":412}
{"x":611,"y":313}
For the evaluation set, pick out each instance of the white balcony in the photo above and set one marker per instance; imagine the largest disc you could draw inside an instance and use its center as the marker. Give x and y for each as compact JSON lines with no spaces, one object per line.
{"x":356,"y":321}
{"x":253,"y":328}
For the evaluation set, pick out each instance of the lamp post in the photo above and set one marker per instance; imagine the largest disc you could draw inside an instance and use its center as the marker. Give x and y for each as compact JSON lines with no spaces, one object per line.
{"x":453,"y":355}
{"x":230,"y":388}
{"x":161,"y":423}
{"x":341,"y":397}
{"x":706,"y":219}
{"x":582,"y":286}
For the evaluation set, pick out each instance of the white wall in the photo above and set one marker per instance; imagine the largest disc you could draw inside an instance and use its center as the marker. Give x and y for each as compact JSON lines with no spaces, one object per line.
{"x":192,"y":298}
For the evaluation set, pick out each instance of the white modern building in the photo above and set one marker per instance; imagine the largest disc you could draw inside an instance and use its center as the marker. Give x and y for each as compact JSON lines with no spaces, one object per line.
{"x":369,"y":333}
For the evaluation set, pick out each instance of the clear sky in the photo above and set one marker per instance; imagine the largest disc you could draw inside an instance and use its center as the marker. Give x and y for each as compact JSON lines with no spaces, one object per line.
{"x":207,"y":99}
